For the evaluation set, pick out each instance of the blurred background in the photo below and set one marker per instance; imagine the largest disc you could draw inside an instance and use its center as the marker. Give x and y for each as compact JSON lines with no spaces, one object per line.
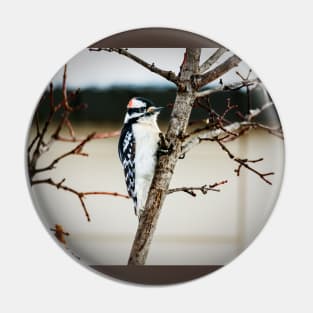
{"x":209,"y":229}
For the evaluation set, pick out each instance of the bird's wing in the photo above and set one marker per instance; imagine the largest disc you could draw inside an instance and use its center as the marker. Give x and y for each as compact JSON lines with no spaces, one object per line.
{"x":127,"y":146}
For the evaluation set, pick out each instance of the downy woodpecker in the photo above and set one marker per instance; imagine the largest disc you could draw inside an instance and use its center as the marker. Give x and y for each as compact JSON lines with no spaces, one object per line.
{"x":137,"y":149}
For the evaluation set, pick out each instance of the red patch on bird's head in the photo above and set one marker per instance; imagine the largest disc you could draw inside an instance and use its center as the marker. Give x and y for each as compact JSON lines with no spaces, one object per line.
{"x":130,"y":103}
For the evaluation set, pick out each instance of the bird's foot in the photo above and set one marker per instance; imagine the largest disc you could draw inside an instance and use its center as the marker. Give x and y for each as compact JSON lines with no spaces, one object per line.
{"x":139,"y":214}
{"x":164,"y":146}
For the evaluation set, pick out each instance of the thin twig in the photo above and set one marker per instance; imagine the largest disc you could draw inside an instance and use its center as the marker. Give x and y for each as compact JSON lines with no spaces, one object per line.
{"x":66,"y":188}
{"x":64,"y":91}
{"x":220,"y":133}
{"x":212,"y":130}
{"x":106,"y":193}
{"x":169,"y":75}
{"x":76,"y":151}
{"x":38,"y":143}
{"x":66,"y":114}
{"x":100,"y":135}
{"x":212,"y":59}
{"x":79,"y":194}
{"x":37,"y":152}
{"x":244,"y":163}
{"x":229,"y":87}
{"x":204,"y":189}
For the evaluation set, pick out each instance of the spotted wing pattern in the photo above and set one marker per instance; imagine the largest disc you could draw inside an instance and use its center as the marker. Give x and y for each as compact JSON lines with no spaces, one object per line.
{"x":126,"y":150}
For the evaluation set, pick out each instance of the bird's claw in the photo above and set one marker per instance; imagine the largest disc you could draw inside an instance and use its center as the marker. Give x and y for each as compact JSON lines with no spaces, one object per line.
{"x":139,"y":214}
{"x":182,"y":156}
{"x":164,"y":146}
{"x":163,"y":152}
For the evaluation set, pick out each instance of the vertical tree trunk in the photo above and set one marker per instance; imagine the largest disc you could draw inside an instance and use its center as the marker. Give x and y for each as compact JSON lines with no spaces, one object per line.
{"x":178,"y":123}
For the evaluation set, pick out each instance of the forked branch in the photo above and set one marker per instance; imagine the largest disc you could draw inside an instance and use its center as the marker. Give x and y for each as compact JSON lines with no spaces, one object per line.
{"x":76,"y":151}
{"x":245,"y":163}
{"x":42,"y":143}
{"x":79,"y":194}
{"x":221,"y":129}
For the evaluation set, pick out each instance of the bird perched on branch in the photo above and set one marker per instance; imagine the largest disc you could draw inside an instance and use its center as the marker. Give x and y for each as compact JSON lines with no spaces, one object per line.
{"x":138,"y":147}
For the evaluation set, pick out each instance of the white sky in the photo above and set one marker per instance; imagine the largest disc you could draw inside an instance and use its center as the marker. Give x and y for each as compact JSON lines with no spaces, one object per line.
{"x":104,"y":69}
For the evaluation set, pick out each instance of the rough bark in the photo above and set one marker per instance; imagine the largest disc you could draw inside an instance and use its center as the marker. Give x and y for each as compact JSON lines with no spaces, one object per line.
{"x":178,"y":123}
{"x":217,"y":72}
{"x":212,"y":59}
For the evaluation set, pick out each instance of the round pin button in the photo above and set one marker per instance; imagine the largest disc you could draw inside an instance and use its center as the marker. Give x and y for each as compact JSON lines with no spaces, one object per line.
{"x":155,"y":164}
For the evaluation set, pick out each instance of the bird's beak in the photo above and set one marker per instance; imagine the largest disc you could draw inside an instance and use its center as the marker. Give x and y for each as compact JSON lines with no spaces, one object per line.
{"x":158,"y":109}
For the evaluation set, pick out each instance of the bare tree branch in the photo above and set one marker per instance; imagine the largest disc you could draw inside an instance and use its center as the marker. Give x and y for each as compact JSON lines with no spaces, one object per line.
{"x":229,"y":131}
{"x":66,"y":188}
{"x":201,"y":80}
{"x":273,"y":130}
{"x":234,"y":129}
{"x":204,"y":189}
{"x":38,"y":144}
{"x":79,"y":194}
{"x":230,"y":87}
{"x":256,"y":112}
{"x":169,"y":75}
{"x":96,"y":135}
{"x":64,"y":91}
{"x":39,"y":138}
{"x":210,"y":132}
{"x":245,"y":163}
{"x":212,"y":59}
{"x":76,"y":151}
{"x":207,"y":134}
{"x":67,"y":111}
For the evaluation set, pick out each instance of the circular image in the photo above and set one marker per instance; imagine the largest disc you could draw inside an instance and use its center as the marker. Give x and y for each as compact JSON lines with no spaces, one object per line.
{"x":155,"y":165}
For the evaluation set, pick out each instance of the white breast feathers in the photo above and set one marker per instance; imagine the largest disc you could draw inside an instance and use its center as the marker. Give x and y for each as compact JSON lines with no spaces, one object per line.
{"x":146,"y":139}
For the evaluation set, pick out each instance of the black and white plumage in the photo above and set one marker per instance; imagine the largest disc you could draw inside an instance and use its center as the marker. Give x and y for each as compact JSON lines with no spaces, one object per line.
{"x":126,"y":150}
{"x":138,"y":146}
